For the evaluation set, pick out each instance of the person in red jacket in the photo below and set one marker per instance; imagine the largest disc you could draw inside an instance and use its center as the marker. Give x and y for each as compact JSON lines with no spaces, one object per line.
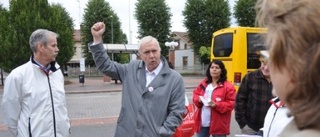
{"x":214,"y":97}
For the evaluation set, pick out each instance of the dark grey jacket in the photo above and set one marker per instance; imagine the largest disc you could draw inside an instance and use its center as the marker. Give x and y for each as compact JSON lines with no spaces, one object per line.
{"x":144,"y":113}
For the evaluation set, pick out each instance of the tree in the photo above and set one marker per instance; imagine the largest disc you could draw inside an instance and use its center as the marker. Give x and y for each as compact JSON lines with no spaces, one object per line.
{"x":100,"y":11}
{"x":62,"y":23}
{"x":153,"y":17}
{"x":24,"y":17}
{"x":204,"y":53}
{"x":245,"y":13}
{"x":4,"y":26}
{"x":202,"y":18}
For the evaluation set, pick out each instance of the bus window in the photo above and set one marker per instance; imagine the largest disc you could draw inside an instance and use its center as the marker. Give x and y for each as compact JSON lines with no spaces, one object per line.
{"x":223,"y":45}
{"x":254,"y":42}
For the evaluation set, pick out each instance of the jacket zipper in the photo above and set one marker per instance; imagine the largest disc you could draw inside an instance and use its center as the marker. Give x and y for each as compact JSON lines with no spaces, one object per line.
{"x":52,"y":105}
{"x":29,"y":127}
{"x":270,"y":126}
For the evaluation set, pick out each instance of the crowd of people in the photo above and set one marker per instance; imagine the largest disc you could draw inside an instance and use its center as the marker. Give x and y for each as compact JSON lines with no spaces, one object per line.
{"x":279,"y":99}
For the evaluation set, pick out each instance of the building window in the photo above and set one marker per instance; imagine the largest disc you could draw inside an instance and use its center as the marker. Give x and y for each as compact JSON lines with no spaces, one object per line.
{"x":185,"y":46}
{"x":185,"y":62}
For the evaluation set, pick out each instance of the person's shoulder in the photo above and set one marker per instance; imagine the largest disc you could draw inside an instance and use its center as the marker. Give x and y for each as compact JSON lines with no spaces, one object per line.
{"x":255,"y":72}
{"x":20,"y":70}
{"x":308,"y":133}
{"x":292,"y":131}
{"x":252,"y":74}
{"x":228,"y":84}
{"x":22,"y":67}
{"x":136,"y":63}
{"x":175,"y":73}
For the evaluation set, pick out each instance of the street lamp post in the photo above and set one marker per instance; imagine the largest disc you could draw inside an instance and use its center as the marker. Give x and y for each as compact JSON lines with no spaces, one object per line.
{"x":172,"y":46}
{"x":116,"y":80}
{"x":111,"y":29}
{"x":111,"y":32}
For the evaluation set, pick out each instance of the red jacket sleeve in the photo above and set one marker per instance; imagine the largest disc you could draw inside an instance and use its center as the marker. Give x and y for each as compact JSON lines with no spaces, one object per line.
{"x":198,"y":91}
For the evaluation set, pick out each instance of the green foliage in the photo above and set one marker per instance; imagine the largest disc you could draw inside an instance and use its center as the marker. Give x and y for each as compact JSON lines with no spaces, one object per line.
{"x":153,"y":17}
{"x":120,"y":58}
{"x":245,"y":13}
{"x":62,"y":23}
{"x":202,"y":18}
{"x":204,"y":52}
{"x":24,"y":17}
{"x":96,"y":11}
{"x":124,"y":39}
{"x":4,"y":26}
{"x":124,"y":58}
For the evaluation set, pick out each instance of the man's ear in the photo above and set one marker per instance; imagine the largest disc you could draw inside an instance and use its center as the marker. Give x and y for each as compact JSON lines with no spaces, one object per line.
{"x":40,"y":46}
{"x":138,"y":55}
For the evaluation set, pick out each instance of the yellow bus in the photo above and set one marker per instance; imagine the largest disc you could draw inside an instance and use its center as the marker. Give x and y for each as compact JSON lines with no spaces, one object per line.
{"x":236,"y":48}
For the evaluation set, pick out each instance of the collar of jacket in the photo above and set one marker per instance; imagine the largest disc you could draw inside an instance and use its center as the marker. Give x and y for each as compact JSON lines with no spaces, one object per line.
{"x":165,"y":70}
{"x":259,"y":74}
{"x":276,"y":102}
{"x":204,"y":84}
{"x":53,"y":68}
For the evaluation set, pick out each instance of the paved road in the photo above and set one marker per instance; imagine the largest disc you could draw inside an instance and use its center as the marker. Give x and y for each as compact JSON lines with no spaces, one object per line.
{"x":95,"y":114}
{"x":94,"y":106}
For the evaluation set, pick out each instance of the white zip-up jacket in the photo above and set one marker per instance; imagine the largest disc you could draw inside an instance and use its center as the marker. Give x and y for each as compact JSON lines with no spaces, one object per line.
{"x":276,"y":118}
{"x":34,"y":103}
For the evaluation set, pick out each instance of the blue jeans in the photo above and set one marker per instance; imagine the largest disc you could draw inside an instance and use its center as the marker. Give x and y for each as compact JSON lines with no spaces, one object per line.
{"x":204,"y":132}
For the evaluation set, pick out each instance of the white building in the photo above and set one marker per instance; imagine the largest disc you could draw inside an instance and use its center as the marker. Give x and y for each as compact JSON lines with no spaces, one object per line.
{"x":185,"y":60}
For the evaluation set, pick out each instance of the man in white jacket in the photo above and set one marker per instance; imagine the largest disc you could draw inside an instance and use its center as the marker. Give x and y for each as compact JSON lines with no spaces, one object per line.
{"x":34,"y":103}
{"x":276,"y":118}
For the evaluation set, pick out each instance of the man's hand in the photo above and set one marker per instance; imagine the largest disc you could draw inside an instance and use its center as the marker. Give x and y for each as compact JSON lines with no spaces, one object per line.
{"x":97,"y":31}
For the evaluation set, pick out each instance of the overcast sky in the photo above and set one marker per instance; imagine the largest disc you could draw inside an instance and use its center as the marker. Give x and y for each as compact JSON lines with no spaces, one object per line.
{"x":125,"y":10}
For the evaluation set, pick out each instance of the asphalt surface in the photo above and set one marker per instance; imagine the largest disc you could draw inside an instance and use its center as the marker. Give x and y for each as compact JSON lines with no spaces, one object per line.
{"x":94,"y":106}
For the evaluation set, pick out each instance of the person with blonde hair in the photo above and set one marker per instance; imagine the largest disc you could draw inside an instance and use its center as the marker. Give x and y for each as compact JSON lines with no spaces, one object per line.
{"x":293,"y":40}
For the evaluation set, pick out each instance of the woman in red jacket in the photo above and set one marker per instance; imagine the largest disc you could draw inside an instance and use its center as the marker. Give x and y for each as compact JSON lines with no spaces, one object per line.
{"x":214,"y":98}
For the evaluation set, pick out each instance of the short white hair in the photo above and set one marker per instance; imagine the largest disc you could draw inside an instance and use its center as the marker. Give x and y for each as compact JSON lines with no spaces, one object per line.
{"x":146,"y":40}
{"x":40,"y":35}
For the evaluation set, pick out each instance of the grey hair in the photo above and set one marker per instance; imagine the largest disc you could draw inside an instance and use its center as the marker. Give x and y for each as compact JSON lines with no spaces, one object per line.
{"x":146,"y":40}
{"x":40,"y":35}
